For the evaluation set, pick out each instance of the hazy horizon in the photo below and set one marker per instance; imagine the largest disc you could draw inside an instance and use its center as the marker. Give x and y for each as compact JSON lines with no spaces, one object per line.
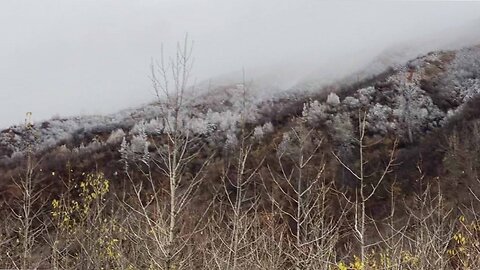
{"x":92,"y":57}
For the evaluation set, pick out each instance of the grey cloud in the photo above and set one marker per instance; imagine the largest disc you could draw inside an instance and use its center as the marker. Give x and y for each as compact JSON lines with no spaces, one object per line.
{"x":86,"y":57}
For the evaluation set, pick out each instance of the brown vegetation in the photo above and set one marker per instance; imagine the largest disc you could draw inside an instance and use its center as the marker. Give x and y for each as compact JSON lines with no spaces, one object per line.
{"x":296,"y":198}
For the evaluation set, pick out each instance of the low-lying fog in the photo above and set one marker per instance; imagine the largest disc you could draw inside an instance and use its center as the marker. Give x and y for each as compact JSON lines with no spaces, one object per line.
{"x":86,"y":57}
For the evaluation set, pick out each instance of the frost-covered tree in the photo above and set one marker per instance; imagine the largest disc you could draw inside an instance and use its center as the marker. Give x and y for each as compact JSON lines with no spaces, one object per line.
{"x":260,"y":131}
{"x":231,"y":140}
{"x":351,"y":103}
{"x":365,"y":95}
{"x":223,"y":121}
{"x":139,"y":143}
{"x":460,"y":82}
{"x":268,"y":127}
{"x":379,"y":119}
{"x":116,"y":136}
{"x":333,"y":99}
{"x":331,"y":116}
{"x":341,"y":127}
{"x":415,"y":111}
{"x":315,"y":113}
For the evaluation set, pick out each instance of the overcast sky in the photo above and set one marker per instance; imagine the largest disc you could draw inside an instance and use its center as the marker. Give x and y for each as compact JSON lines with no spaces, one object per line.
{"x":83,"y":57}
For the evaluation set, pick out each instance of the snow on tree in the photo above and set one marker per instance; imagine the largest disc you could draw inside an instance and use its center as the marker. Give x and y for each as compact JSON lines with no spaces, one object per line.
{"x":285,"y":145}
{"x":341,"y":127}
{"x":136,"y":149}
{"x":231,"y":141}
{"x":472,"y":88}
{"x":378,"y":119}
{"x":116,"y":136}
{"x":333,"y":99}
{"x":268,"y":128}
{"x":463,"y":76}
{"x":365,"y":95}
{"x":139,"y":143}
{"x":124,"y":149}
{"x":314,"y":112}
{"x":351,"y":103}
{"x":223,"y":121}
{"x":154,"y":126}
{"x":260,"y":131}
{"x":199,"y":125}
{"x":415,"y":111}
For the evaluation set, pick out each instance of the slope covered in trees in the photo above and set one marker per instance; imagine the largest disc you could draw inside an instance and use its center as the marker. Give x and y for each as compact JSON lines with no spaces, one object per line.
{"x":380,"y":173}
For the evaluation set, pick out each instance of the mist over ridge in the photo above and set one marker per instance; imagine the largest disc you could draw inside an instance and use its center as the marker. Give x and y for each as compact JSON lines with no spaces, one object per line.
{"x":92,"y":57}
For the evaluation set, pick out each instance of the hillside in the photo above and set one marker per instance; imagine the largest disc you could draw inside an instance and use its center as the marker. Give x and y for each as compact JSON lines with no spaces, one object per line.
{"x":436,"y":88}
{"x":411,"y":133}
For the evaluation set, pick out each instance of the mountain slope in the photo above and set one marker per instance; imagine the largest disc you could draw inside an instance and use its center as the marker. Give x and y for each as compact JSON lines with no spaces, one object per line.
{"x":408,"y":102}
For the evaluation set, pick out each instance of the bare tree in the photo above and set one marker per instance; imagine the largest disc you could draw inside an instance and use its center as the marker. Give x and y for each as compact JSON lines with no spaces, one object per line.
{"x":433,"y":225}
{"x":236,"y":235}
{"x":365,"y":188}
{"x":27,"y":210}
{"x":300,"y":182}
{"x":176,"y":149}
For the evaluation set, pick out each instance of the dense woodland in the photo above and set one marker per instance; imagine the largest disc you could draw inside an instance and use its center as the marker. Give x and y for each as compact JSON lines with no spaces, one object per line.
{"x":380,"y":172}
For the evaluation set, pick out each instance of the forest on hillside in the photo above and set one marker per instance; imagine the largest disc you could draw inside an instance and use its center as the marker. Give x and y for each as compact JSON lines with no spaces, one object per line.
{"x":377,"y":173}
